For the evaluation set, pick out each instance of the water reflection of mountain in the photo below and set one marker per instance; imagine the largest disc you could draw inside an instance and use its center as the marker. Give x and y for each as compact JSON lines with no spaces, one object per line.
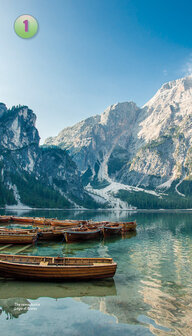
{"x":97,"y":215}
{"x":14,"y":307}
{"x":123,"y":310}
{"x":170,"y":299}
{"x":161,"y":261}
{"x":126,"y":235}
{"x":154,"y":283}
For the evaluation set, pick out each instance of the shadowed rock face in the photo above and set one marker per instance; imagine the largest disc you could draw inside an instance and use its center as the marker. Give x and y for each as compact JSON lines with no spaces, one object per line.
{"x":139,"y":146}
{"x":27,"y":167}
{"x":17,"y":129}
{"x":3,"y":109}
{"x":19,"y":138}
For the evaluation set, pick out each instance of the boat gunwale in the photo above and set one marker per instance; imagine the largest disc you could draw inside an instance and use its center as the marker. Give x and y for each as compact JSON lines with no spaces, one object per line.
{"x":18,"y":234}
{"x":50,"y":257}
{"x":83,"y":232}
{"x":34,"y":261}
{"x":57,"y":265}
{"x":113,"y":228}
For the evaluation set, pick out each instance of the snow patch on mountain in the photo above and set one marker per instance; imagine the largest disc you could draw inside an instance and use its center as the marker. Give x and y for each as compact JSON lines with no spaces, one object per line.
{"x":17,"y":197}
{"x":108,"y":194}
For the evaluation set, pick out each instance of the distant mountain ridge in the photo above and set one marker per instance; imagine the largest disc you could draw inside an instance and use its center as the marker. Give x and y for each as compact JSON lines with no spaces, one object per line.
{"x":127,"y":157}
{"x":127,"y":150}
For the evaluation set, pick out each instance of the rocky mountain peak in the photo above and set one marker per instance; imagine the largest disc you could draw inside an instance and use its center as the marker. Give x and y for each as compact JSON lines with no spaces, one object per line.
{"x":89,"y":140}
{"x":170,"y":107}
{"x":177,"y":91}
{"x":3,"y":109}
{"x":184,"y":83}
{"x":118,"y":112}
{"x":17,"y":128}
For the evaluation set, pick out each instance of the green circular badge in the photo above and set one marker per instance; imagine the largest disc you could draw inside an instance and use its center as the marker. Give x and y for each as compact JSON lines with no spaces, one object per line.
{"x":26,"y":26}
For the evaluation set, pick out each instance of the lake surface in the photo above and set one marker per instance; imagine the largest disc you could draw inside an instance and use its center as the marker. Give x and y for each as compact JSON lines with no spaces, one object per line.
{"x":151,"y":293}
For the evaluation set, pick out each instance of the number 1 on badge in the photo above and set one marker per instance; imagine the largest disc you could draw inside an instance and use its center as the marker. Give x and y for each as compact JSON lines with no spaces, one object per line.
{"x":26,"y":23}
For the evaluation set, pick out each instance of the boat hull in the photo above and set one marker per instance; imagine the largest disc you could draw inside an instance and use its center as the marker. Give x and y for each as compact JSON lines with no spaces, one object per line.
{"x":72,"y":236}
{"x":75,"y":269}
{"x":43,"y":234}
{"x":129,"y":226}
{"x":58,"y":234}
{"x":38,"y":221}
{"x":22,"y":219}
{"x":5,"y":219}
{"x":67,"y":223}
{"x":46,"y":235}
{"x":18,"y":238}
{"x":112,"y":231}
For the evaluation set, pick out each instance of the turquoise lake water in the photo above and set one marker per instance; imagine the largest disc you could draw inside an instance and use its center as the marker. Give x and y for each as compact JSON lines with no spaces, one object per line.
{"x":151,"y":293}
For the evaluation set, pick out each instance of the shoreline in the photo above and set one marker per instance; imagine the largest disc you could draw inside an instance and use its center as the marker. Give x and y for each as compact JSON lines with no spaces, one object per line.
{"x":96,"y":210}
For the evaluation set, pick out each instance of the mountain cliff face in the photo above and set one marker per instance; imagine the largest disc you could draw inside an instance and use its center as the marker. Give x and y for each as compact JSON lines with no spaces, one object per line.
{"x":126,"y":157}
{"x":166,"y":131}
{"x":130,"y":152}
{"x":30,"y":174}
{"x":91,"y":139}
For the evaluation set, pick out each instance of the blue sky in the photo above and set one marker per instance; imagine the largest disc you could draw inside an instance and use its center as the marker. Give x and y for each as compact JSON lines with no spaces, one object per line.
{"x":89,"y":54}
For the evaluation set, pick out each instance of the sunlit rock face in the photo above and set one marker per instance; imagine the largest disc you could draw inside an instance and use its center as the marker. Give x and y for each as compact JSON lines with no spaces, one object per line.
{"x":166,"y":132}
{"x":93,"y":138}
{"x":145,"y":146}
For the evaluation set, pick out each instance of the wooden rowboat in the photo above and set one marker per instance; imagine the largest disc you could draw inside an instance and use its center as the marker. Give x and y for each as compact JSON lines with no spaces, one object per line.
{"x":31,"y":220}
{"x":48,"y":268}
{"x":17,"y":231}
{"x":81,"y":234}
{"x":126,"y":226}
{"x":22,"y":219}
{"x":43,"y":234}
{"x":129,"y":226}
{"x":5,"y":219}
{"x":67,"y":223}
{"x":112,"y":229}
{"x":17,"y":238}
{"x":119,"y":228}
{"x":46,"y":234}
{"x":39,"y":221}
{"x":58,"y":233}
